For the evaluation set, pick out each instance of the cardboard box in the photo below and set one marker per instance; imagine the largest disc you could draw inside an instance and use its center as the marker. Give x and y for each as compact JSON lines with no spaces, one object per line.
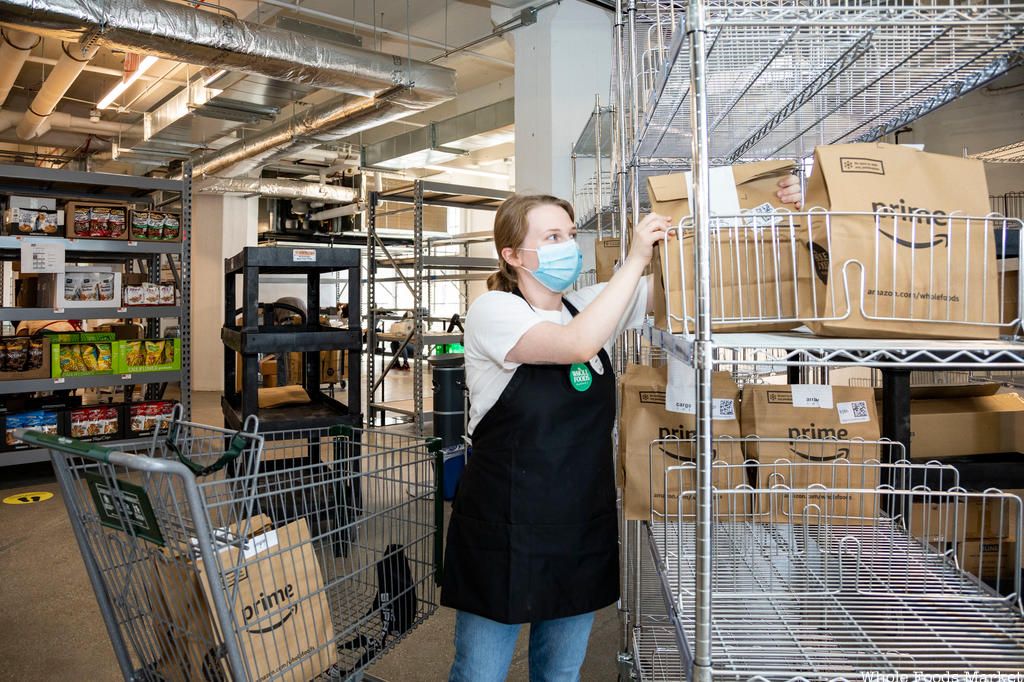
{"x":23,"y":357}
{"x":753,"y":278}
{"x":989,"y":559}
{"x":844,"y":413}
{"x":279,"y":580}
{"x":644,"y":419}
{"x":122,"y":332}
{"x":97,"y":220}
{"x":905,"y":279}
{"x":606,"y":257}
{"x":33,"y":217}
{"x":966,"y":426}
{"x":84,"y":287}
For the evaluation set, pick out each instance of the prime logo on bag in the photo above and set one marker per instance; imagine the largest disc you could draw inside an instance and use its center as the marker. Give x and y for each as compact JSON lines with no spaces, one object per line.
{"x":265,"y":604}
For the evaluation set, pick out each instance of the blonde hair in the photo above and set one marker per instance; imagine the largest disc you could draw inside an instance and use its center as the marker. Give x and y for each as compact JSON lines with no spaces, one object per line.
{"x":510,"y":228}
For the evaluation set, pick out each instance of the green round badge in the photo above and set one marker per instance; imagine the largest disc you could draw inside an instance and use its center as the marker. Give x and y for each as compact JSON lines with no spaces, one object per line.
{"x":580,"y":377}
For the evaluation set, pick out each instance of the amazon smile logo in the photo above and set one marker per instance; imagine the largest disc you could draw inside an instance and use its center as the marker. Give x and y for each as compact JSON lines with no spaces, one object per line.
{"x":939,"y":240}
{"x":266,"y":603}
{"x":798,"y":433}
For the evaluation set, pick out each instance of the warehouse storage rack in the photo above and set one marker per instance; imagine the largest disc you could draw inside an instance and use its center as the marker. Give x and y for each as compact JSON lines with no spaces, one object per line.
{"x":429,"y":262}
{"x":713,"y":82}
{"x":593,"y":196}
{"x":144,"y":256}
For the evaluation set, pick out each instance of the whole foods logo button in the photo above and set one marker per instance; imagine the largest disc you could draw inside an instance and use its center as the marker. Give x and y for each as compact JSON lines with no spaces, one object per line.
{"x":580,"y":377}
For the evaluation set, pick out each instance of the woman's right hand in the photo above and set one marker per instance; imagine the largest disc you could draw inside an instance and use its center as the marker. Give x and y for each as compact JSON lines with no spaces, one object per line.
{"x":648,"y":232}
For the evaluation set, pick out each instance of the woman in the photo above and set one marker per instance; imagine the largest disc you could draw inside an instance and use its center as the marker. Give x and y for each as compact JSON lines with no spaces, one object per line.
{"x":533,"y":536}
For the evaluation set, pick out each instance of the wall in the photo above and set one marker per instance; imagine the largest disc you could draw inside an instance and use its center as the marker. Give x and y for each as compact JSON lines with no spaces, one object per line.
{"x":221,"y":226}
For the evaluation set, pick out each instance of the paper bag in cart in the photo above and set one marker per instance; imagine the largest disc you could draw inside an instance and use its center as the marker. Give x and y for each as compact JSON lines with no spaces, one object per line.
{"x":902,"y":276}
{"x":753,"y":267}
{"x":606,"y":257}
{"x":277,"y":601}
{"x":800,"y":415}
{"x":645,"y":419}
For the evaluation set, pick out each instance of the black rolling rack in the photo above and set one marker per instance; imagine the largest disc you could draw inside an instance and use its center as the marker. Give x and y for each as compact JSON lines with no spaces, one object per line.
{"x":250,"y":338}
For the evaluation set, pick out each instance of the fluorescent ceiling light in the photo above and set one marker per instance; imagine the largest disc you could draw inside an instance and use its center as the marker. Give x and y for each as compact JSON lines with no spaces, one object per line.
{"x":126,"y":83}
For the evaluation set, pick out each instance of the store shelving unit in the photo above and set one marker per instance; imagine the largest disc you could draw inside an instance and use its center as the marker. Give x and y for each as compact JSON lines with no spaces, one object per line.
{"x":711,"y":82}
{"x":418,"y":271}
{"x":593,"y":193}
{"x":144,"y":256}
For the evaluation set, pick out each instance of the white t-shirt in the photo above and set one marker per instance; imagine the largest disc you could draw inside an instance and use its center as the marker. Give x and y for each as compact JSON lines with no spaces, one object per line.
{"x":497,"y":320}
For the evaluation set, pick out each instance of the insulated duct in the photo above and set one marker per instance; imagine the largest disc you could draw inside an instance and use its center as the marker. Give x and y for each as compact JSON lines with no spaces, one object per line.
{"x":56,"y":85}
{"x":327,"y":122}
{"x":181,"y":33}
{"x":271,"y":187}
{"x":67,"y":123}
{"x":14,"y":50}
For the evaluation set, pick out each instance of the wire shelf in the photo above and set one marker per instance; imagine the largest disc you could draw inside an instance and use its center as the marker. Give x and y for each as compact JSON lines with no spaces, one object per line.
{"x":1011,"y":153}
{"x":783,"y":77}
{"x":656,"y":654}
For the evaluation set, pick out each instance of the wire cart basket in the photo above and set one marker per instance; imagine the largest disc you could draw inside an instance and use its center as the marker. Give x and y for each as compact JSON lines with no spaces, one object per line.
{"x":222,"y":555}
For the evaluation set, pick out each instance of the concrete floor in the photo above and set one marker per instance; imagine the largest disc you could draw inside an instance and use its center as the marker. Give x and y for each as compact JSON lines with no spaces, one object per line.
{"x":51,"y":629}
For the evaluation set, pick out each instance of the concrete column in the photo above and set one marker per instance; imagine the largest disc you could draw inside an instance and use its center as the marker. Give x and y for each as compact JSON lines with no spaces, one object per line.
{"x":221,"y":226}
{"x":562,"y":61}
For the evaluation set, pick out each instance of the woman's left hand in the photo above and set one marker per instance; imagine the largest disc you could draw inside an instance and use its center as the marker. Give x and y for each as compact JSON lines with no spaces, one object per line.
{"x":789,"y":191}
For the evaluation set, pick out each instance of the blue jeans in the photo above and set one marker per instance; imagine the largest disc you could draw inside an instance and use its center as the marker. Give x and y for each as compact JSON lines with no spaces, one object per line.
{"x":483,"y":648}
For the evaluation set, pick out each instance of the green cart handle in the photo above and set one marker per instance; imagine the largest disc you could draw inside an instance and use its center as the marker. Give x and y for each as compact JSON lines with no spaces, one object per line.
{"x":236,"y":446}
{"x":66,"y":445}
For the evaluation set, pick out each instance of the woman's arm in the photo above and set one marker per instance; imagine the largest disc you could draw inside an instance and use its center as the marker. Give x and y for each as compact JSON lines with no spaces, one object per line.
{"x":587,"y":333}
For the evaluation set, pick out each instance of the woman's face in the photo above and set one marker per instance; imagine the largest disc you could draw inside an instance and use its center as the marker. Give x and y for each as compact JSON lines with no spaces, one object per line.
{"x":546,"y":224}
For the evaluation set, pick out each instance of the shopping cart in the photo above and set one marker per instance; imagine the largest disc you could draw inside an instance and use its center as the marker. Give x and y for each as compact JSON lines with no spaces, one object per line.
{"x":222,"y":555}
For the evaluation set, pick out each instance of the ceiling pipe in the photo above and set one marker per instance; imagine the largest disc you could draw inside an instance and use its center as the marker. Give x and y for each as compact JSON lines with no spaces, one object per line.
{"x":339,"y":212}
{"x":14,"y":50}
{"x":69,"y":124}
{"x":274,"y":187}
{"x":56,"y":85}
{"x":180,"y":33}
{"x":326,"y":122}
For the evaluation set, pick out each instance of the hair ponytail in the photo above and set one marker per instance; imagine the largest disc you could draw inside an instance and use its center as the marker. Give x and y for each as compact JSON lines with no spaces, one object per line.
{"x":510,"y":228}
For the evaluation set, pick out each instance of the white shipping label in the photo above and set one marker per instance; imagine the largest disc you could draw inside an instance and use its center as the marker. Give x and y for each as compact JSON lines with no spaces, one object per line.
{"x":42,"y":256}
{"x":812,"y":395}
{"x":853,"y":412}
{"x":260,"y":543}
{"x":725,"y":200}
{"x":681,"y":392}
{"x":304,"y":255}
{"x":723,"y":408}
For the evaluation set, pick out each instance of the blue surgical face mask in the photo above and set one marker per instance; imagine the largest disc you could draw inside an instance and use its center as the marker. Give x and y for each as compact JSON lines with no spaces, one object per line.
{"x":558,"y":265}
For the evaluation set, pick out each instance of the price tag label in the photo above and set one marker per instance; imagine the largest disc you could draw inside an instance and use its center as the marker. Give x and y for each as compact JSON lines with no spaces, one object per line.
{"x":59,"y":381}
{"x":122,"y":310}
{"x":131,"y":243}
{"x":58,"y":310}
{"x":126,"y":376}
{"x":812,"y":395}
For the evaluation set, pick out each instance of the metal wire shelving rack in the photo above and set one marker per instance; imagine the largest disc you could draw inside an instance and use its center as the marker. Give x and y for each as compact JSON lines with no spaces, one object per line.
{"x":593,"y":194}
{"x":711,"y":82}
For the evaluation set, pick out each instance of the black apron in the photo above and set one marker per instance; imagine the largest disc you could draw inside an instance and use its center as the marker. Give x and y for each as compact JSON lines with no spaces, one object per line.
{"x":533,"y":532}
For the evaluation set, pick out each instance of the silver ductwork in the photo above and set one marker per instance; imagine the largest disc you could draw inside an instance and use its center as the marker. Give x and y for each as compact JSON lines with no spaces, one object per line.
{"x":182,"y":33}
{"x":327,"y":122}
{"x":285,"y":189}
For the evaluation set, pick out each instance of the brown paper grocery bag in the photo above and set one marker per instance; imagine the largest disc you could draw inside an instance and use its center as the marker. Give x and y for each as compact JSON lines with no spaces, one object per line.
{"x":753,"y":265}
{"x":606,"y":257}
{"x":797,"y":463}
{"x":278,"y":606}
{"x":899,"y":277}
{"x":644,"y":419}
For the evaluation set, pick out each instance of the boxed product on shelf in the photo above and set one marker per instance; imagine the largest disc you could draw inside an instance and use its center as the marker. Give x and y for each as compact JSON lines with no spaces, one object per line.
{"x":81,"y":354}
{"x":606,"y":257}
{"x":755,"y":298}
{"x":24,"y":357}
{"x":122,"y":332}
{"x":143,"y":417}
{"x":908,"y":277}
{"x":33,"y":217}
{"x":83,"y":286}
{"x":95,"y":422}
{"x":161,"y":226}
{"x":147,"y":355}
{"x":45,"y":421}
{"x":106,"y":220}
{"x":806,"y":412}
{"x":644,"y":418}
